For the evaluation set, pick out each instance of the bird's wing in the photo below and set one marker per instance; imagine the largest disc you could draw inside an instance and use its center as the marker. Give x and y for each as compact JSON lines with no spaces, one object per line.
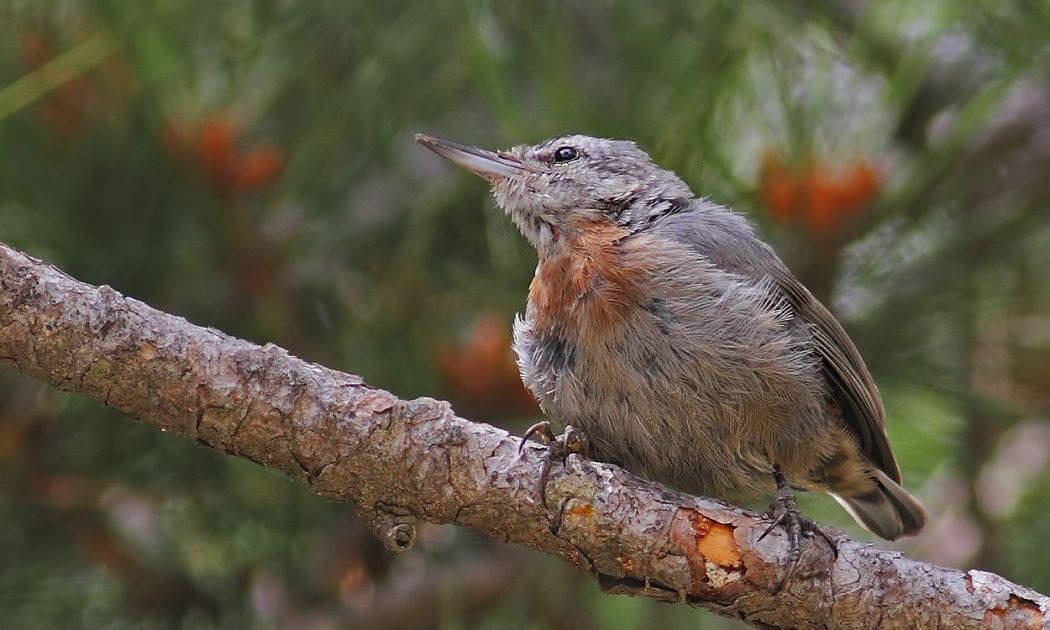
{"x":729,"y":242}
{"x":851,"y":384}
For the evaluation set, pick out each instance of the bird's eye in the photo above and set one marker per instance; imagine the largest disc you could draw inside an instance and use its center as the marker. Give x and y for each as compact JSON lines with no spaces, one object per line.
{"x":565,"y":154}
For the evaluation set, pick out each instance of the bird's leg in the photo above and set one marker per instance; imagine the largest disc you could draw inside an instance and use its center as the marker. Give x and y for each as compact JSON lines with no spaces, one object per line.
{"x":784,"y":510}
{"x":559,"y":447}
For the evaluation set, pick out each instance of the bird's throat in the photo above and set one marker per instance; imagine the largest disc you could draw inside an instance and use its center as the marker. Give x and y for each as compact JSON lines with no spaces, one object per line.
{"x":586,"y":286}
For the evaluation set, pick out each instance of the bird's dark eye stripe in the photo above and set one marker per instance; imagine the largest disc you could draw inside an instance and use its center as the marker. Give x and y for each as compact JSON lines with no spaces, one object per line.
{"x":565,"y":154}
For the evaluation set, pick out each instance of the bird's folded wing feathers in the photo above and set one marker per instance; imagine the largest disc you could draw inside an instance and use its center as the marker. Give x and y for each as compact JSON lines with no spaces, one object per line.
{"x":727,"y":240}
{"x":850,"y":381}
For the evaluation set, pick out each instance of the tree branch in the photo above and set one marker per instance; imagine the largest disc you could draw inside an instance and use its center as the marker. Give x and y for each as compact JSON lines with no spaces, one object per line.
{"x":401,"y":461}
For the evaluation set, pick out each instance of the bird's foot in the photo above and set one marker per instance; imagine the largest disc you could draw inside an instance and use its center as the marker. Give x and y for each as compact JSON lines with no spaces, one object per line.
{"x":783,"y":510}
{"x":559,"y":447}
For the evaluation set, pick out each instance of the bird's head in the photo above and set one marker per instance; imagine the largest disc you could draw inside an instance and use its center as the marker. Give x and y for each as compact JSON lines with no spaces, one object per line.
{"x":562,"y":185}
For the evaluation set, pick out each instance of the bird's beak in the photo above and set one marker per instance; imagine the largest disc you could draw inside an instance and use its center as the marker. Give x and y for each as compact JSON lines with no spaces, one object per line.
{"x":489,"y":165}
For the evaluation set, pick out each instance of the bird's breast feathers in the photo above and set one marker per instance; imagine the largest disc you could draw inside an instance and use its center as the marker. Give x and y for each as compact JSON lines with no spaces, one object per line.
{"x":588,"y":288}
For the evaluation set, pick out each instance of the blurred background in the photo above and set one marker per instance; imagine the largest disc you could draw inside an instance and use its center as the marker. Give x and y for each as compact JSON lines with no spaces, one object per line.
{"x":249,"y":165}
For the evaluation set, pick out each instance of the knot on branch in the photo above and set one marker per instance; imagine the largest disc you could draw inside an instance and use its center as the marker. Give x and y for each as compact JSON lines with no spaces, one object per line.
{"x":392,"y":524}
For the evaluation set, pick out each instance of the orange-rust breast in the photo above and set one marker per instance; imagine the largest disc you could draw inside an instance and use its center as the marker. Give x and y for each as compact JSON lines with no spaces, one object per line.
{"x":587,"y":288}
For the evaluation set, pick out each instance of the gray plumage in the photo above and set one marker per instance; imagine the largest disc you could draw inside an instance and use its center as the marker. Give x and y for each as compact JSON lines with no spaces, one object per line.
{"x":661,"y":326}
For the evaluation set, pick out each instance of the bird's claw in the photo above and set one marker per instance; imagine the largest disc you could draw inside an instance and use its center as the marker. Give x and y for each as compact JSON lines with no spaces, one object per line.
{"x":559,"y":447}
{"x":542,"y":430}
{"x":783,"y":510}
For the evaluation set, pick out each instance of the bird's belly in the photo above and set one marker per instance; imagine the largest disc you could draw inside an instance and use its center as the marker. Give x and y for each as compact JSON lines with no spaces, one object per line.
{"x":707,"y":420}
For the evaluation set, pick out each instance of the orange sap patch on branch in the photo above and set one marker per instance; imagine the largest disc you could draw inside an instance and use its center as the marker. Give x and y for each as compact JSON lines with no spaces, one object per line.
{"x":718,"y":545}
{"x":709,"y":547}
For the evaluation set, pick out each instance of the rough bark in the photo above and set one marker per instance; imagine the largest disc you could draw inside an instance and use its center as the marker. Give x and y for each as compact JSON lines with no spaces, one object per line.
{"x":402,"y":461}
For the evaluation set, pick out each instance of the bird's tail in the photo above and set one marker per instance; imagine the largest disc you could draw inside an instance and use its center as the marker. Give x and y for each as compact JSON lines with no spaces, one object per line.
{"x":887,"y":511}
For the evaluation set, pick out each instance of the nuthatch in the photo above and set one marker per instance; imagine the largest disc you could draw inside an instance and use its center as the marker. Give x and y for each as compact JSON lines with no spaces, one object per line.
{"x":676,"y":340}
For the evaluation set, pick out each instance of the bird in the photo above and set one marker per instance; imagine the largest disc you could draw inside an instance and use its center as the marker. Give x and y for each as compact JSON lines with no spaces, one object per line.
{"x":661,"y":327}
